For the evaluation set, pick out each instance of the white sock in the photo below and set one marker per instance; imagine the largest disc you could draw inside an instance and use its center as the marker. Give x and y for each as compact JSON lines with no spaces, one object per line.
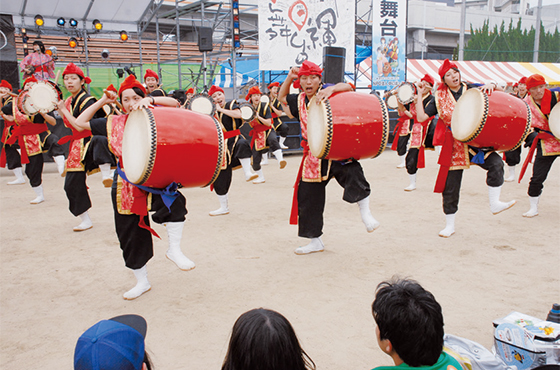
{"x":497,"y":206}
{"x":367,"y":218}
{"x":105,"y":169}
{"x":39,"y":192}
{"x":260,"y":179}
{"x":19,"y":177}
{"x":174,"y":253}
{"x":60,"y":163}
{"x":281,"y":142}
{"x":85,"y":224}
{"x":142,"y":284}
{"x":246,"y":165}
{"x":449,"y":226}
{"x":403,"y":161}
{"x":280,"y":158}
{"x":511,"y":176}
{"x":412,"y":185}
{"x":223,"y":210}
{"x":534,"y":207}
{"x":315,"y":245}
{"x":264,"y":160}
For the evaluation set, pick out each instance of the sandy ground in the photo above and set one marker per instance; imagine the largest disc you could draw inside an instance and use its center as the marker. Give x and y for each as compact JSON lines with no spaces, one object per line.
{"x":56,"y":283}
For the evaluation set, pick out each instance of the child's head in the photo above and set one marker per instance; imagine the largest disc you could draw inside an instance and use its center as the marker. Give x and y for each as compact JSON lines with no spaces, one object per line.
{"x":264,"y":339}
{"x":409,"y":322}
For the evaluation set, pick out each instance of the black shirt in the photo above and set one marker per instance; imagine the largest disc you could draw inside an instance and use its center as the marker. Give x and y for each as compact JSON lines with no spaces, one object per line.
{"x":229,"y":123}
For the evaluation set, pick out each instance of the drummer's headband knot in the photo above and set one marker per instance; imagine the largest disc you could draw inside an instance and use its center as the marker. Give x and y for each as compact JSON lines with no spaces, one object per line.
{"x":71,"y":68}
{"x":253,"y":90}
{"x":446,"y":66}
{"x":214,"y":89}
{"x":309,"y":68}
{"x":535,"y":80}
{"x":129,"y":83}
{"x":150,"y":73}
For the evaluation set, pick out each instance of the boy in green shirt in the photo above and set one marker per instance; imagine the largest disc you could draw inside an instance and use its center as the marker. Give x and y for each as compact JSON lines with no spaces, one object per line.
{"x":410,"y":327}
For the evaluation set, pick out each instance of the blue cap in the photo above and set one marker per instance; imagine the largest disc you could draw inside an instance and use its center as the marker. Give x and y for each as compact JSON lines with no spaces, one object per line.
{"x":109,"y":345}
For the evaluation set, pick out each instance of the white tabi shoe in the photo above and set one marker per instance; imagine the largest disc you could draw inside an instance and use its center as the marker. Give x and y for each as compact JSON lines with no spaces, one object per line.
{"x":280,"y":158}
{"x":264,"y":160}
{"x":223,"y":210}
{"x":314,"y":246}
{"x":367,"y":218}
{"x":260,"y":179}
{"x":511,"y":176}
{"x":60,"y":164}
{"x":403,"y":161}
{"x":496,"y":206}
{"x":449,"y":226}
{"x":19,"y":177}
{"x":142,"y":284}
{"x":246,"y":165}
{"x":40,"y":198}
{"x":281,"y":142}
{"x":86,"y":223}
{"x":412,"y":185}
{"x":174,"y":253}
{"x":534,"y":207}
{"x":106,"y":174}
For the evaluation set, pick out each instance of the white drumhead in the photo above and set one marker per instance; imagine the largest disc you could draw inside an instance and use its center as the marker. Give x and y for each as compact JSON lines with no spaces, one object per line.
{"x":554,"y":121}
{"x":265,"y":99}
{"x":317,"y":127}
{"x":107,"y":109}
{"x":468,"y":114}
{"x":202,"y":104}
{"x":43,"y":97}
{"x":28,"y":106}
{"x":405,"y":93}
{"x":247,"y":112}
{"x":392,"y":102}
{"x":136,"y":146}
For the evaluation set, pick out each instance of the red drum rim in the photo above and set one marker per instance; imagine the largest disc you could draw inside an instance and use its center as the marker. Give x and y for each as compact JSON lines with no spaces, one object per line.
{"x":147,"y":135}
{"x":202,"y":96}
{"x":468,"y":131}
{"x":554,"y":121}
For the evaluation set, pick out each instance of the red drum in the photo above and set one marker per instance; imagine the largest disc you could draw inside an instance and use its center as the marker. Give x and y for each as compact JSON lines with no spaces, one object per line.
{"x":500,"y":121}
{"x":165,"y":145}
{"x":348,"y":125}
{"x":554,"y":121}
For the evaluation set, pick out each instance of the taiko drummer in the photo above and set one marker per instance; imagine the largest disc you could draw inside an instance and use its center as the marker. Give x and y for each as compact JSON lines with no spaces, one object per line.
{"x":455,"y":155}
{"x":9,"y":155}
{"x":151,"y":79}
{"x":314,"y":174}
{"x":130,"y":204}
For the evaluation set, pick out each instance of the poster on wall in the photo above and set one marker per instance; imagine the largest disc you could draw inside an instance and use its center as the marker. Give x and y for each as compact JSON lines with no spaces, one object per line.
{"x":388,"y":44}
{"x":292,"y":31}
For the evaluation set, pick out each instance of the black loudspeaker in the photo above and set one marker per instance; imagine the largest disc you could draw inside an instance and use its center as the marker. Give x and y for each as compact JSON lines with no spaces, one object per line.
{"x":334,"y":59}
{"x":205,"y":39}
{"x":9,"y":67}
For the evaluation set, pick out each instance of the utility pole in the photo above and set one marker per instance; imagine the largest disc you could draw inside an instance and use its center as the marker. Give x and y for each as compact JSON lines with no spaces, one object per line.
{"x":537,"y":34}
{"x":462,"y":30}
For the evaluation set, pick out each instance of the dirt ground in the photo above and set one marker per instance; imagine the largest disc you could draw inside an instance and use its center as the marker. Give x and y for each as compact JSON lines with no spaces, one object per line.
{"x":55,"y":283}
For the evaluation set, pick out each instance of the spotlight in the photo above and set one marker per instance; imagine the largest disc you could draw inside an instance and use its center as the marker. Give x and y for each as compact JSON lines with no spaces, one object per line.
{"x":105,"y":54}
{"x":39,"y":21}
{"x":60,"y":22}
{"x":52,"y":52}
{"x":72,"y":42}
{"x":124,"y":36}
{"x":120,"y":72}
{"x":98,"y":26}
{"x":73,"y":23}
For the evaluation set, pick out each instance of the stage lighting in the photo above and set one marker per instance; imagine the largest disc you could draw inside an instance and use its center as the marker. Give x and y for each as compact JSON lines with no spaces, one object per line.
{"x":52,"y":51}
{"x":73,"y":23}
{"x":60,"y":22}
{"x":105,"y":54}
{"x":120,"y":72}
{"x":98,"y":26}
{"x":124,"y":36}
{"x":72,"y":42}
{"x":39,"y":21}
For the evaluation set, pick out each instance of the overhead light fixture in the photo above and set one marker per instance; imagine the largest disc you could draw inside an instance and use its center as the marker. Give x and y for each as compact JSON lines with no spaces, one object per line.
{"x":53,"y":52}
{"x":72,"y":42}
{"x":73,"y":23}
{"x":120,"y":72}
{"x":98,"y":26}
{"x":39,"y":21}
{"x":105,"y":54}
{"x":60,"y":22}
{"x":124,"y":36}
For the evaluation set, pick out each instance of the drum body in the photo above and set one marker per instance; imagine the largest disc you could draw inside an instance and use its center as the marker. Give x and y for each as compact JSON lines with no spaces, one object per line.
{"x":248,"y":113}
{"x":405,"y":93}
{"x":392,"y":102}
{"x":500,"y":121}
{"x":25,"y":105}
{"x":202,"y":103}
{"x":165,"y":145}
{"x":554,"y":121}
{"x":43,"y":96}
{"x":265,"y":99}
{"x":348,"y":125}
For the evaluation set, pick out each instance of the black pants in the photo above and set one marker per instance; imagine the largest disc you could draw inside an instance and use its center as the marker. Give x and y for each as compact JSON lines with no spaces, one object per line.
{"x":311,"y":195}
{"x":49,"y":143}
{"x":136,"y":243}
{"x":541,"y":167}
{"x":402,"y":143}
{"x":494,"y":166}
{"x":513,"y":157}
{"x":34,"y":170}
{"x":273,"y":145}
{"x":239,"y":149}
{"x":282,"y":129}
{"x":412,"y":161}
{"x":98,"y":153}
{"x":13,"y":159}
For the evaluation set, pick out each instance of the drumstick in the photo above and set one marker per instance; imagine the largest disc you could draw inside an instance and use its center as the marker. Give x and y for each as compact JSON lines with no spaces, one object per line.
{"x":106,"y":92}
{"x":57,"y":77}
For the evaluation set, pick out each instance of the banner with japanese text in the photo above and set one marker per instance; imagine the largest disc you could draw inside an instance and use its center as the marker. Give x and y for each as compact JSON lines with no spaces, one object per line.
{"x":292,"y":31}
{"x":388,"y":44}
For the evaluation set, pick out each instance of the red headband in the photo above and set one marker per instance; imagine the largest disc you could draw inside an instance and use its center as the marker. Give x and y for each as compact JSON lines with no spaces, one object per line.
{"x":253,"y":90}
{"x":309,"y":68}
{"x":214,"y":89}
{"x":273,"y":84}
{"x":6,"y":84}
{"x":534,"y":81}
{"x":297,"y":85}
{"x":523,"y":80}
{"x":129,"y":83}
{"x":150,"y":73}
{"x":71,"y":68}
{"x":29,"y":79}
{"x":446,"y":66}
{"x":190,"y":91}
{"x":429,"y":79}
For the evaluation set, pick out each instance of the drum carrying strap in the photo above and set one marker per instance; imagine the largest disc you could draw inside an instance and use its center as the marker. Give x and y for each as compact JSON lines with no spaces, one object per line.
{"x":168,"y":195}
